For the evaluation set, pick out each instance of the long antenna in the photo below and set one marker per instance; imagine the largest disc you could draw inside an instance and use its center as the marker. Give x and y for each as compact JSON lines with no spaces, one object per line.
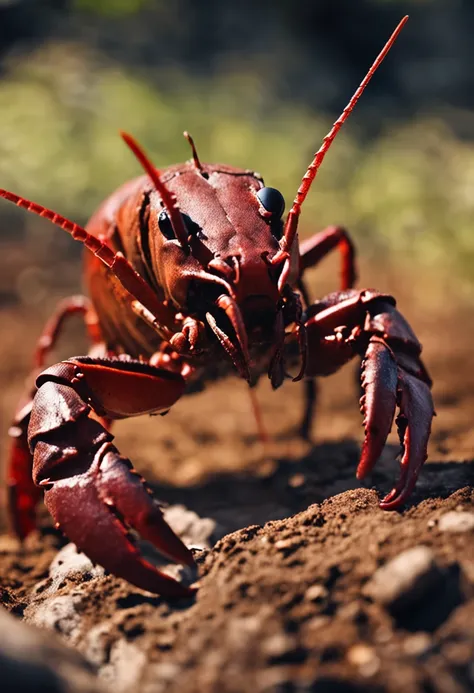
{"x":167,"y":197}
{"x":118,"y":264}
{"x":294,"y":213}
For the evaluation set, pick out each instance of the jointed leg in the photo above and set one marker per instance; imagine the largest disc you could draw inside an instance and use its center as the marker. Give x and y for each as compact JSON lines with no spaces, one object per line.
{"x":312,"y":251}
{"x":23,"y":495}
{"x":310,"y":398}
{"x":73,"y":305}
{"x":310,"y":386}
{"x":316,"y":248}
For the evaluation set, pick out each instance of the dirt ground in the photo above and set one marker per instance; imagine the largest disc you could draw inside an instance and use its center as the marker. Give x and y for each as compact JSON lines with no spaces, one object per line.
{"x":293,"y":594}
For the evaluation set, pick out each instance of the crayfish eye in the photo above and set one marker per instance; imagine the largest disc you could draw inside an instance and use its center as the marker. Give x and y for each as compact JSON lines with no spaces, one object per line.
{"x":192,"y":228}
{"x":166,"y":227}
{"x":273,"y":201}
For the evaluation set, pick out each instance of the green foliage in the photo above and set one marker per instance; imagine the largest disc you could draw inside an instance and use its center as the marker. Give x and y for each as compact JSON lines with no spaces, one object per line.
{"x":111,"y":8}
{"x":408,"y":193}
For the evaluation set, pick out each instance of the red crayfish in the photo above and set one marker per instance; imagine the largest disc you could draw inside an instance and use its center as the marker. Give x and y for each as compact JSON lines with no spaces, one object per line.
{"x":186,"y":264}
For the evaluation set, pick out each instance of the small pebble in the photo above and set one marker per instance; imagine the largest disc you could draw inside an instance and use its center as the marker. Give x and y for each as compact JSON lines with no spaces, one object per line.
{"x":364,"y":658}
{"x":62,"y":614}
{"x":266,"y":469}
{"x":187,"y":575}
{"x":403,"y":580}
{"x":200,"y":532}
{"x":417,"y":644}
{"x":278,"y":645}
{"x":297,"y":480}
{"x":71,"y":563}
{"x":288,"y":546}
{"x":318,"y":622}
{"x":456,"y":522}
{"x":282,"y":544}
{"x":96,"y":644}
{"x":316,"y":593}
{"x":352,"y":612}
{"x":158,"y":677}
{"x":125,"y":666}
{"x":383,"y":635}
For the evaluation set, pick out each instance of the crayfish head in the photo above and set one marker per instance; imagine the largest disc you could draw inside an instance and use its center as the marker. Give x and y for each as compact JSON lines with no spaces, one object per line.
{"x":226,"y":275}
{"x":213,"y":246}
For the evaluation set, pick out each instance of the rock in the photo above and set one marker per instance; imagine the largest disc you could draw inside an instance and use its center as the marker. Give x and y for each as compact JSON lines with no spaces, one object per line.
{"x":297,"y":480}
{"x":456,"y":522}
{"x":61,"y":614}
{"x":283,"y":649}
{"x":417,"y":644}
{"x":318,"y":622}
{"x":364,"y":658}
{"x":185,"y":574}
{"x":159,"y":677}
{"x":57,"y":604}
{"x":403,"y":580}
{"x":98,"y":642}
{"x":278,"y":645}
{"x":288,"y":546}
{"x":316,"y":593}
{"x":125,"y":667}
{"x":197,"y":532}
{"x":33,"y":663}
{"x":70,"y":563}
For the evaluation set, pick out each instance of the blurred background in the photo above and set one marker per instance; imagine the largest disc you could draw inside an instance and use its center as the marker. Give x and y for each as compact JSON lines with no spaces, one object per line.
{"x":257,"y":84}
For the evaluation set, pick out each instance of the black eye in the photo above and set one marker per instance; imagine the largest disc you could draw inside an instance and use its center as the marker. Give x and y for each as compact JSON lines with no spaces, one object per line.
{"x":166,"y":228}
{"x":272,"y":200}
{"x":192,"y":228}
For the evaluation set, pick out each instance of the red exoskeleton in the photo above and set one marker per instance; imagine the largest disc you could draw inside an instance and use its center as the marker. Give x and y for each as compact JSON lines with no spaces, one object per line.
{"x":193,"y":274}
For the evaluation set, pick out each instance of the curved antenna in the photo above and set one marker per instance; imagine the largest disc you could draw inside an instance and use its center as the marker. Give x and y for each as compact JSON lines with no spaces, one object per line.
{"x":294,"y":213}
{"x":197,"y":163}
{"x":167,"y":197}
{"x":116,"y":262}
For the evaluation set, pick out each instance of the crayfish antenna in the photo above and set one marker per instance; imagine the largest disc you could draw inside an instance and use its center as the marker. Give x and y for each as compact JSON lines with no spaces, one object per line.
{"x":167,"y":197}
{"x":293,"y":215}
{"x":116,"y":262}
{"x":197,"y":162}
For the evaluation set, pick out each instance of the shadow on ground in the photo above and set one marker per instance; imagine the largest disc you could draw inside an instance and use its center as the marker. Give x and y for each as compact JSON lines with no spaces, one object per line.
{"x":287,"y":486}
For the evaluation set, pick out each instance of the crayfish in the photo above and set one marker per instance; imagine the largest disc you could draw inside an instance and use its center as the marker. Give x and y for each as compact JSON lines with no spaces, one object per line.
{"x":192,"y":275}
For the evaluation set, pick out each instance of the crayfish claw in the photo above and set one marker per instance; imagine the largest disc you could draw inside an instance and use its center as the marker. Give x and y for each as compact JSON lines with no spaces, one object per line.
{"x":379,"y":380}
{"x":414,"y":427}
{"x":96,"y":508}
{"x":388,"y":384}
{"x":125,"y":490}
